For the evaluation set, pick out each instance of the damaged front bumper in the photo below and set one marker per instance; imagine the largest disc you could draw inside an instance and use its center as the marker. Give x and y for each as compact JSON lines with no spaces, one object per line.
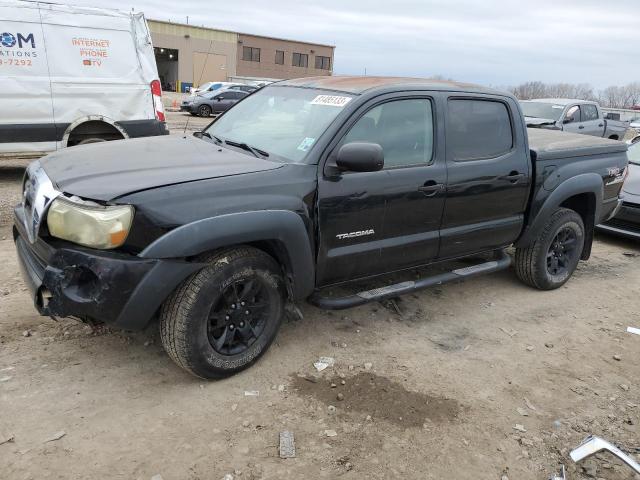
{"x":115,"y":288}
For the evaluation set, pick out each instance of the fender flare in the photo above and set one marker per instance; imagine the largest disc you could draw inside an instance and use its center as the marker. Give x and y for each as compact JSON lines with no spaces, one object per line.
{"x":91,"y":118}
{"x":283,"y":226}
{"x":580,"y":184}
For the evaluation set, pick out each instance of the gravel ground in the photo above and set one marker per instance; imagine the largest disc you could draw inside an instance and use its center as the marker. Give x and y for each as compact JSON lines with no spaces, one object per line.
{"x":482,"y":379}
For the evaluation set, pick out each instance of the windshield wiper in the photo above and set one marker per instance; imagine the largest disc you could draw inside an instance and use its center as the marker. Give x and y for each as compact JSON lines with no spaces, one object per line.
{"x":255,"y":151}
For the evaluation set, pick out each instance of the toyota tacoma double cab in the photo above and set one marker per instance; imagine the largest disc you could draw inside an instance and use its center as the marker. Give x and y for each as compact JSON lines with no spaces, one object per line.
{"x":303,"y":185}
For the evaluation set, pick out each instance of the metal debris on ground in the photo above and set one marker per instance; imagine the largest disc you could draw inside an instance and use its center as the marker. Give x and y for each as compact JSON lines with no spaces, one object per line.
{"x":331,"y":433}
{"x":519,"y":427}
{"x":593,"y":444}
{"x":56,"y":436}
{"x":562,"y":475}
{"x":287,"y":445}
{"x":6,"y":439}
{"x":324,"y":362}
{"x":251,"y":393}
{"x":633,"y":330}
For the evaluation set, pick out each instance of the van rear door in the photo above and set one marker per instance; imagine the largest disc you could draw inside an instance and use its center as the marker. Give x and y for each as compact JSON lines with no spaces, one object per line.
{"x":96,"y":70}
{"x":26,"y":111}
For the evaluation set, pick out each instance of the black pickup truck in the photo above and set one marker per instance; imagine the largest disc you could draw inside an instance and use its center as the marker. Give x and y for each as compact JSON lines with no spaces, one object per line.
{"x":302,"y":185}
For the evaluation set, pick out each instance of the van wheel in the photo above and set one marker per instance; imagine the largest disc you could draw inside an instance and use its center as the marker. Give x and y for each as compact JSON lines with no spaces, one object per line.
{"x":554,"y":255}
{"x":204,"y":110}
{"x":223,"y":318}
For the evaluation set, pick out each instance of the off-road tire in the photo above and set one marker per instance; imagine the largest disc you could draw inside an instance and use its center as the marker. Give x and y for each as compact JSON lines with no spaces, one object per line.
{"x":204,"y":111}
{"x":185,"y":314}
{"x":531,"y":262}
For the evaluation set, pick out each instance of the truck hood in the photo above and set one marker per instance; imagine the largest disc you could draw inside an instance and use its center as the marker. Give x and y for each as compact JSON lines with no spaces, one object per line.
{"x":108,"y":170}
{"x":539,"y":122}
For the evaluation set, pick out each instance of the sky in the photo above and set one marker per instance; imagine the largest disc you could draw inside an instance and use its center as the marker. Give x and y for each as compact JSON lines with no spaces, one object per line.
{"x":491,"y":42}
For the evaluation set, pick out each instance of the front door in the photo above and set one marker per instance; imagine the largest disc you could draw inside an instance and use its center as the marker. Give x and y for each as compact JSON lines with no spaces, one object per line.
{"x":572,"y":120}
{"x":377,"y":222}
{"x":488,"y":175}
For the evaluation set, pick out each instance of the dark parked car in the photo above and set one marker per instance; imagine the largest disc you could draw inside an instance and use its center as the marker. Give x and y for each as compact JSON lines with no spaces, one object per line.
{"x":217,"y":101}
{"x":303,"y":185}
{"x":626,"y":223}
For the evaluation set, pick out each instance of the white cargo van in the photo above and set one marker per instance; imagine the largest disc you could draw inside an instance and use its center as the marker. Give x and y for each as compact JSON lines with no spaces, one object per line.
{"x":74,"y":75}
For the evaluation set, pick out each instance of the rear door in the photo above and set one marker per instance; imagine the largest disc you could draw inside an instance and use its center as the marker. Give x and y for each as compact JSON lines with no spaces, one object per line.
{"x":592,"y":122}
{"x":488,"y":175}
{"x":377,"y":222}
{"x":96,"y":70}
{"x":26,"y":112}
{"x":224,"y":100}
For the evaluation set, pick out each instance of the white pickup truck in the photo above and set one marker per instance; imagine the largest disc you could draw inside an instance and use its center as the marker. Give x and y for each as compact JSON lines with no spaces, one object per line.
{"x":569,"y":115}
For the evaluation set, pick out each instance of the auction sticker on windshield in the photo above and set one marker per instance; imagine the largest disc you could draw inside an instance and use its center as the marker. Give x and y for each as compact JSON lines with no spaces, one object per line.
{"x":332,"y":100}
{"x":306,"y":144}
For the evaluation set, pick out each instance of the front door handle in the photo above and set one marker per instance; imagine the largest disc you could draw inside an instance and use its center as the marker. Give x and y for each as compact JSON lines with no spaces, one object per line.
{"x":513,"y":177}
{"x":601,"y":124}
{"x":581,"y":127}
{"x":430,"y":188}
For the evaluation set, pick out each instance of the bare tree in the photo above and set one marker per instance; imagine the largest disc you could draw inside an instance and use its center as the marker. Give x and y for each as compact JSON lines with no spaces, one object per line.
{"x":612,"y":97}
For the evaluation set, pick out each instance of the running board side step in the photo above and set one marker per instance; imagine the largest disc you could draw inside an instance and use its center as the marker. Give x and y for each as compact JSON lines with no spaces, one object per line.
{"x":502,"y":262}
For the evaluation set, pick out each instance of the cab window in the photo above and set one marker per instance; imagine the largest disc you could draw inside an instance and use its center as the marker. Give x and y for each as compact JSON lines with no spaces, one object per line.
{"x":403,"y":128}
{"x":478,"y":129}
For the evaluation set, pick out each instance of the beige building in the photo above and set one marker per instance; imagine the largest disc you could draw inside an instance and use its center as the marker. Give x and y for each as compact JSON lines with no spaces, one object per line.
{"x":188,"y":56}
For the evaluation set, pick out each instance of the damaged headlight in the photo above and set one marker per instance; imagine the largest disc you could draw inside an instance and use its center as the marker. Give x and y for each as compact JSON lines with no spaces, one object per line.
{"x":88,"y":223}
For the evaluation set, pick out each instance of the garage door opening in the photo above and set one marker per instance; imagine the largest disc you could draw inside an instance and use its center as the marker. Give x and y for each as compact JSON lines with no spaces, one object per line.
{"x":167,"y":61}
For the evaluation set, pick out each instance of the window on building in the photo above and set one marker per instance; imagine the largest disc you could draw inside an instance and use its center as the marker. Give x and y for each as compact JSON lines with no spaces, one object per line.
{"x":300,"y":60}
{"x":251,"y":54}
{"x":478,"y":129}
{"x":280,"y":57}
{"x":323,"y":63}
{"x":403,"y":128}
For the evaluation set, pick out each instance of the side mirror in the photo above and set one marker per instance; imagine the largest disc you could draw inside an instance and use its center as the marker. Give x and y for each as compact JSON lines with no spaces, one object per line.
{"x":198,"y":134}
{"x":360,"y":157}
{"x":219,"y":98}
{"x":568,"y":120}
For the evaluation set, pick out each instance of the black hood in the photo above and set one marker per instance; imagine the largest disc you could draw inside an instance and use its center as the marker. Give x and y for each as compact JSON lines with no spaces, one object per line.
{"x":105,"y":171}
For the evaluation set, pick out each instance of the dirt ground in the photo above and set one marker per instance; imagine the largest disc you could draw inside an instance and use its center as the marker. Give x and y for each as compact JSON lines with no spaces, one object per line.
{"x":483,"y":379}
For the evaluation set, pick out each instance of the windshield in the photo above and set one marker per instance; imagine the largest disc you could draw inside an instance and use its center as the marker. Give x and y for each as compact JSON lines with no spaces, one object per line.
{"x":285,"y":121}
{"x":542,"y":110}
{"x":634,"y":153}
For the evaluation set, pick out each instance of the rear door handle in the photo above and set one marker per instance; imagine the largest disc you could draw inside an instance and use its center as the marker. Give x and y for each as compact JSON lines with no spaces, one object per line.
{"x":430,"y":188}
{"x":513,"y":177}
{"x":601,"y":124}
{"x":581,"y":127}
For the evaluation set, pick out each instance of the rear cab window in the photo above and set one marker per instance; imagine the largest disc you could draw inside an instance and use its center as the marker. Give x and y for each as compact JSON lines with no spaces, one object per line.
{"x":478,"y":129}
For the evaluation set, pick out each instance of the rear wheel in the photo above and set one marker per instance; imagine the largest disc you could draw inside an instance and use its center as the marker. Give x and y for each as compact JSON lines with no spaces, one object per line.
{"x":224,"y":317}
{"x":204,"y":110}
{"x":91,"y":140}
{"x":554,"y":255}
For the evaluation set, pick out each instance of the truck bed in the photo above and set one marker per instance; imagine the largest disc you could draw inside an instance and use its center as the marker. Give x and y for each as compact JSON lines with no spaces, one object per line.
{"x":552,"y":144}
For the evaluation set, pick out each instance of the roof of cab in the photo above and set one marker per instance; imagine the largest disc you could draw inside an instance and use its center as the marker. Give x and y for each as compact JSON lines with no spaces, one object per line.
{"x":357,"y":85}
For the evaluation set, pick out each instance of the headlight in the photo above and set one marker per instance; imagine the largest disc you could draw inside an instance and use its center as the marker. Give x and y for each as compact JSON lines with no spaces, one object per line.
{"x":90,"y":224}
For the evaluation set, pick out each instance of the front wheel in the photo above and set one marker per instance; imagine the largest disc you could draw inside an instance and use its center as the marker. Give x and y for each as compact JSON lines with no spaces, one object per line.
{"x":554,"y":255}
{"x":204,"y":110}
{"x":224,"y":317}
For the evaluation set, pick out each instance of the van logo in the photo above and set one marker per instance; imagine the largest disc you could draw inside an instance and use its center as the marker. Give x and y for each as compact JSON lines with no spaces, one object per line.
{"x":359,"y":233}
{"x":9,"y":40}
